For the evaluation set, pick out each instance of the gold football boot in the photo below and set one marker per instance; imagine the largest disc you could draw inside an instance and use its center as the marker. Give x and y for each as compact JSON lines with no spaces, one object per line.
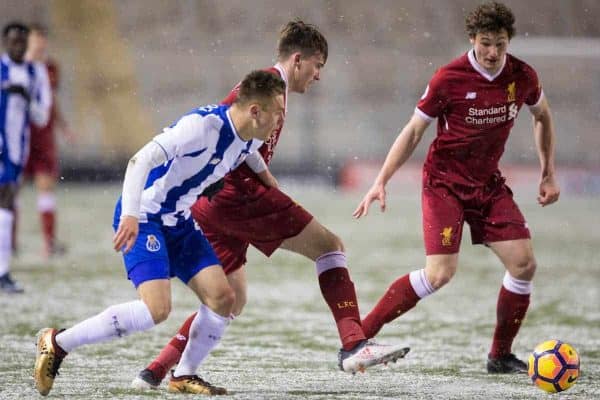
{"x":47,"y":361}
{"x":194,"y":384}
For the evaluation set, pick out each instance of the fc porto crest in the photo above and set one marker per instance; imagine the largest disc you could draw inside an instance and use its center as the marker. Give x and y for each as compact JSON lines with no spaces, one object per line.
{"x":152,"y":243}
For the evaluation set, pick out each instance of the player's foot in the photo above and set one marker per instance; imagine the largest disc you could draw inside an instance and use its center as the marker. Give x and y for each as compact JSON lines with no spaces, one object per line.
{"x":48,"y":359}
{"x":8,"y":285}
{"x":55,"y":249}
{"x":145,"y":380}
{"x":193,"y":384}
{"x":508,"y":364}
{"x":367,"y":354}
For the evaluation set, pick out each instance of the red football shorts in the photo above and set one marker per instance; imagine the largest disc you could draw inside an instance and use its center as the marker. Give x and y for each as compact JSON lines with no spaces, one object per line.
{"x":42,"y":152}
{"x":232,"y":220}
{"x":490,"y":211}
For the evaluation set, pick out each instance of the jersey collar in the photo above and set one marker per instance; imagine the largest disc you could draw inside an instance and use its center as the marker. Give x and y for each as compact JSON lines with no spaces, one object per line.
{"x":9,"y":61}
{"x":233,"y":128}
{"x":279,"y":68}
{"x":481,"y":70}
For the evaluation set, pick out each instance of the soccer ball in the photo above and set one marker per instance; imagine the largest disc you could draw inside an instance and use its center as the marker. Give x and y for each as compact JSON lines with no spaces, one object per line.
{"x":554,"y":366}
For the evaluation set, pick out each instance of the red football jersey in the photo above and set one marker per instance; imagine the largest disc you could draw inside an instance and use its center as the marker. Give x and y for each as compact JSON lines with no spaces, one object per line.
{"x":243,"y":177}
{"x":475,"y":113}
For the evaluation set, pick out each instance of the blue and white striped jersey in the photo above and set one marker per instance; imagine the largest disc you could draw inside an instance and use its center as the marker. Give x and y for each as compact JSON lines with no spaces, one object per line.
{"x":16,"y":114}
{"x":199,"y":149}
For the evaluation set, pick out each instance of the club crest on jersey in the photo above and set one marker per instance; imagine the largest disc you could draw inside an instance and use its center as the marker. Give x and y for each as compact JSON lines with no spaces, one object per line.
{"x":511,"y":91}
{"x":152,"y":243}
{"x":446,"y":236}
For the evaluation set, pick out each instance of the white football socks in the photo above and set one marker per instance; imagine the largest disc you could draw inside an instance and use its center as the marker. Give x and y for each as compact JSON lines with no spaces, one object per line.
{"x":116,"y":321}
{"x":205,"y":333}
{"x":420,"y":284}
{"x":6,"y":223}
{"x":46,"y":201}
{"x":516,"y":285}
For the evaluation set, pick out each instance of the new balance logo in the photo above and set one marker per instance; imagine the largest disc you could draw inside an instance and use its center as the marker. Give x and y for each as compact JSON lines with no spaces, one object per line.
{"x":180,"y":337}
{"x":513,"y":110}
{"x":471,"y":96}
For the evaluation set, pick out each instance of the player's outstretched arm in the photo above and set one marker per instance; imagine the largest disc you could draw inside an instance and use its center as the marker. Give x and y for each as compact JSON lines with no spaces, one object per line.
{"x":543,"y":129}
{"x":136,"y":175}
{"x":401,"y":150}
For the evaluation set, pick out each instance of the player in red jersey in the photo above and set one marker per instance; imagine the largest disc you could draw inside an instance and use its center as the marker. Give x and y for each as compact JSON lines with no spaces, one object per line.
{"x":249,"y":211}
{"x":42,"y":164}
{"x":476,"y":99}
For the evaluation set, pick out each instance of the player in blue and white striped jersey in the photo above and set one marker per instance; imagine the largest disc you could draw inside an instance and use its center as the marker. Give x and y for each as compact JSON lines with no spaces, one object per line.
{"x":24,"y":98}
{"x":158,"y":237}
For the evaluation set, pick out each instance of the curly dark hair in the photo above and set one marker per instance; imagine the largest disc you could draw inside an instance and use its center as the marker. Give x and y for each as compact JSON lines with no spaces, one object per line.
{"x":490,"y":17}
{"x":297,"y":35}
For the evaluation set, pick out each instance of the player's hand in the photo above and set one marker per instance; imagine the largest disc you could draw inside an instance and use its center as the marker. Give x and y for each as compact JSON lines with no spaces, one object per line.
{"x":126,"y":234}
{"x":20,"y":90}
{"x":268,"y":179}
{"x":549,"y":191}
{"x":377,"y":192}
{"x":69,"y":135}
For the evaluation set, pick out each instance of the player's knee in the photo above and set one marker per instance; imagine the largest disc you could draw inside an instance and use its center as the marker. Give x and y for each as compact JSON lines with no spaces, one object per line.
{"x":440,"y":277}
{"x":238,"y":306}
{"x":223,"y":302}
{"x":524,"y":269}
{"x":159,"y":311}
{"x":332,"y":243}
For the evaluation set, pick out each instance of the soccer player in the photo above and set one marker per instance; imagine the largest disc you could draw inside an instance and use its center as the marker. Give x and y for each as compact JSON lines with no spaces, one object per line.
{"x":476,"y":99}
{"x":24,"y":98}
{"x":159,"y":239}
{"x":43,"y":161}
{"x":249,"y":210}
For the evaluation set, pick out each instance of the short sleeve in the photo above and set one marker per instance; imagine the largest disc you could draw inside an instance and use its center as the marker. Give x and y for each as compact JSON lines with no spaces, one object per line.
{"x":533,"y":87}
{"x":434,"y":98}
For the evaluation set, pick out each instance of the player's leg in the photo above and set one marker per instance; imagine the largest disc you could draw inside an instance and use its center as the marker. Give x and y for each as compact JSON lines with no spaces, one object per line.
{"x":114,"y":322}
{"x":408,"y":290}
{"x":232,"y":254}
{"x":327,"y":250}
{"x":206,"y":330}
{"x":504,"y":229}
{"x":46,"y":205}
{"x":443,"y":218}
{"x":513,"y":302}
{"x":8,"y":192}
{"x":197,"y":265}
{"x":148,"y":269}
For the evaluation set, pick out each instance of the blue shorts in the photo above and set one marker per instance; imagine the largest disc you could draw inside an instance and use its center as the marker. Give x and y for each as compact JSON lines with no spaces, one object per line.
{"x":9,"y":172}
{"x":161,"y":252}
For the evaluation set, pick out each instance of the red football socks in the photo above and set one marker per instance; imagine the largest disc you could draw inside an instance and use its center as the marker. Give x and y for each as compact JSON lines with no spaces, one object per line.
{"x":399,"y":298}
{"x":48,"y":222}
{"x":510,"y":311}
{"x":338,"y":291}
